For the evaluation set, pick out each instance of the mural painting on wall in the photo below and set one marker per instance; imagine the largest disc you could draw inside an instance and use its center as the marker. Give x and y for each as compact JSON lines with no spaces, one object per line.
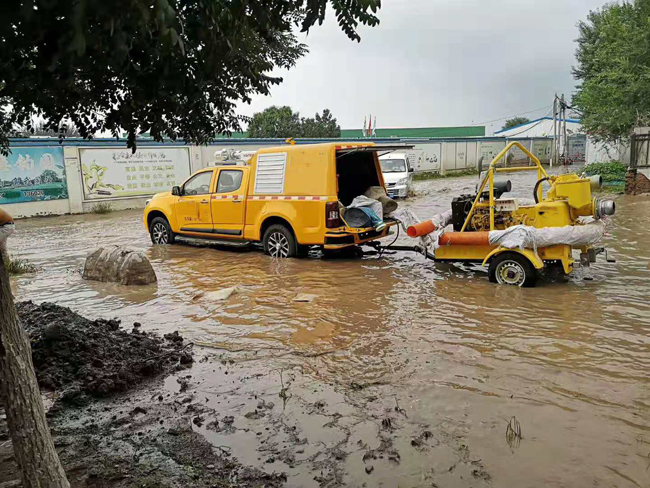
{"x":115,"y":173}
{"x":542,"y":149}
{"x":461,"y":157}
{"x":517,"y":156}
{"x":577,"y":150}
{"x":425,"y":157}
{"x":32,"y":174}
{"x":489,"y":150}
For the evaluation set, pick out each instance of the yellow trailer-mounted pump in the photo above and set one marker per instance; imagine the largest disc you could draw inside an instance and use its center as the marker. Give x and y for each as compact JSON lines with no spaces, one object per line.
{"x":519,"y":239}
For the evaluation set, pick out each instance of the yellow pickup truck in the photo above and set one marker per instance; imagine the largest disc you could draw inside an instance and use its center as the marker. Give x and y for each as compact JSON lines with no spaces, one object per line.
{"x":286,"y":197}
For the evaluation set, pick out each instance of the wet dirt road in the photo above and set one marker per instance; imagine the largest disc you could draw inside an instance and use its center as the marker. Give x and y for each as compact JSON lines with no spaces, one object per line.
{"x":401,"y":367}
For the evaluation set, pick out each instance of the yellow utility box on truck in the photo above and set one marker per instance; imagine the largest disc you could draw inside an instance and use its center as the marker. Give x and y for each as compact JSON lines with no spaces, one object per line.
{"x":286,"y":197}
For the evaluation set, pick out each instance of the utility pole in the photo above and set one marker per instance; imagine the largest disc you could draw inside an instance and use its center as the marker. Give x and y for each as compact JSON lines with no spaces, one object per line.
{"x":554,"y":150}
{"x":566,"y":139}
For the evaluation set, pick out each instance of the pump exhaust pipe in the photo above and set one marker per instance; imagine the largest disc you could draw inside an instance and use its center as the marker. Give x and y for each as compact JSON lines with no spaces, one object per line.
{"x":596,"y":182}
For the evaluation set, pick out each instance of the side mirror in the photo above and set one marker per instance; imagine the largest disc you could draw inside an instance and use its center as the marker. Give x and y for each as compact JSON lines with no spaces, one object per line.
{"x":411,"y":170}
{"x":176,"y":190}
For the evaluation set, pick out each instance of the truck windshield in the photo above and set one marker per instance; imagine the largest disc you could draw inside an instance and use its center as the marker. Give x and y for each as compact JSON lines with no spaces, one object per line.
{"x":392,"y":165}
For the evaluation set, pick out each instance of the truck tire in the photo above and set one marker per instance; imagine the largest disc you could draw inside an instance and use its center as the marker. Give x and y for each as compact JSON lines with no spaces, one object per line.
{"x":279,"y":242}
{"x":160,"y":231}
{"x":511,"y":268}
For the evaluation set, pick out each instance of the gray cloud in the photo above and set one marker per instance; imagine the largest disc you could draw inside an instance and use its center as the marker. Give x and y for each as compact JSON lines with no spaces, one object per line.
{"x":438,"y":63}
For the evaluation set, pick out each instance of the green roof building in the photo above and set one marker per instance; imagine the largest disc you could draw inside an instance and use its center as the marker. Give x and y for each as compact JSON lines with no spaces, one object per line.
{"x":420,"y":132}
{"x":417,"y":132}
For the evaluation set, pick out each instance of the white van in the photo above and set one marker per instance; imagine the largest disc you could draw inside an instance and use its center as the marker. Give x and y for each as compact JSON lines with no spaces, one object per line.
{"x":397,"y":171}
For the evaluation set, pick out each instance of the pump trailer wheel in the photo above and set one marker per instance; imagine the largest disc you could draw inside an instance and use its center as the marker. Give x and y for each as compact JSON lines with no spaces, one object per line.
{"x":511,"y":268}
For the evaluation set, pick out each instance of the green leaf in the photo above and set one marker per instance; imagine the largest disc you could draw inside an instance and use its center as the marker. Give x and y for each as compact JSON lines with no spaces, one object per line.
{"x":110,"y":65}
{"x":612,"y":58}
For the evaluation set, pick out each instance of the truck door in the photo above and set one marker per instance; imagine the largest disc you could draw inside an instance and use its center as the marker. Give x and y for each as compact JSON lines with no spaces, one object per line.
{"x":229,"y":202}
{"x":192,"y":208}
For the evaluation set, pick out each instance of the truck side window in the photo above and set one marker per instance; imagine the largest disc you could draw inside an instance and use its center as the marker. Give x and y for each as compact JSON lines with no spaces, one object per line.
{"x":229,"y":180}
{"x":199,"y":184}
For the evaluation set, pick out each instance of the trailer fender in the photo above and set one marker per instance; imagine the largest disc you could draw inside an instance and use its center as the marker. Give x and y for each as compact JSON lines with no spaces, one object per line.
{"x":527,"y":253}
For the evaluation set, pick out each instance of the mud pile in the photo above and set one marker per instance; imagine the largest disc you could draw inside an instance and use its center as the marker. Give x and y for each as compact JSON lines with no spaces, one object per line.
{"x":82,"y":357}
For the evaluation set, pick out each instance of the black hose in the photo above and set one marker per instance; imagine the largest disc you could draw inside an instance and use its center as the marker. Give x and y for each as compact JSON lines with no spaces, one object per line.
{"x":381,"y":252}
{"x":539,"y":182}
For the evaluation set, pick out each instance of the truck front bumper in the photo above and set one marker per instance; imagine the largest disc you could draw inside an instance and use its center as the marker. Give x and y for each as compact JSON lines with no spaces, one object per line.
{"x":401,"y":191}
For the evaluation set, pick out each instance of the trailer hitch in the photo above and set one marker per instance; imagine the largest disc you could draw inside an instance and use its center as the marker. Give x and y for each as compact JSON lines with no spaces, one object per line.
{"x":392,"y":249}
{"x":607,"y":258}
{"x":586,"y":258}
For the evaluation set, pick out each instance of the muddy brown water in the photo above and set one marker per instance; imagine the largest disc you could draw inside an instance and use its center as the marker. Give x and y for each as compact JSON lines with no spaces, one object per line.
{"x":433,"y":347}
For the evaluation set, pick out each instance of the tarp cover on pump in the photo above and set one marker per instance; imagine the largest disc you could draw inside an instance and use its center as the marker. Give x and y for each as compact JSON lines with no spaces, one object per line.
{"x":523,"y":236}
{"x":518,"y":236}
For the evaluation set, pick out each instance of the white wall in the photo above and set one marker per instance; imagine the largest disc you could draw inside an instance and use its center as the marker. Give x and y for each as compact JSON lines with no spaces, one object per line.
{"x":73,"y":177}
{"x":602,"y":153}
{"x":426,"y":156}
{"x":518,"y":157}
{"x":472,"y":154}
{"x":38,"y":209}
{"x":196,"y":158}
{"x":489,"y":149}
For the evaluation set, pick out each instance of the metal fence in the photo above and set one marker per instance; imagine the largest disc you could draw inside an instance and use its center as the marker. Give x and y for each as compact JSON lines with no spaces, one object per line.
{"x":640,"y":151}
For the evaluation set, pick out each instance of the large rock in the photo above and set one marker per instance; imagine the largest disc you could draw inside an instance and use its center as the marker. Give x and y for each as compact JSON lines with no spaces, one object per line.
{"x":119,"y":265}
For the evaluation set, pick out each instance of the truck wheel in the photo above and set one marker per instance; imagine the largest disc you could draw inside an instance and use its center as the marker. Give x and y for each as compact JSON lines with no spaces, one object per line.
{"x":279,"y":242}
{"x":512,"y":268}
{"x":161,"y":232}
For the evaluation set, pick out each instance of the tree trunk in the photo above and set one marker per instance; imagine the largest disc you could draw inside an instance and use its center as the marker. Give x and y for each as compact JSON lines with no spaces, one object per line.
{"x":30,"y":434}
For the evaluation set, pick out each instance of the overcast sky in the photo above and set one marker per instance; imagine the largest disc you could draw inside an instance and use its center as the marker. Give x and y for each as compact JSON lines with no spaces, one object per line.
{"x":438,"y":63}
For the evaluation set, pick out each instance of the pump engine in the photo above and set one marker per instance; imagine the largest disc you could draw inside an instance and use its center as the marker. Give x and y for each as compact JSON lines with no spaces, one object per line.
{"x":504,"y":215}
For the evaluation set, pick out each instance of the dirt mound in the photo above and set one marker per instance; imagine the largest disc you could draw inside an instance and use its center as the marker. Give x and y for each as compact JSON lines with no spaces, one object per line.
{"x":94,"y":357}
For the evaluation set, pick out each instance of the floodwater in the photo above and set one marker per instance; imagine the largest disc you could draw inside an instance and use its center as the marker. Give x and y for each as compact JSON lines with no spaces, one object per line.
{"x":433,"y":347}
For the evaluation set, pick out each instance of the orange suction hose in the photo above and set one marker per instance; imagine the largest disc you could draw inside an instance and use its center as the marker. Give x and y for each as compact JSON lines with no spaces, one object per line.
{"x":464,"y":239}
{"x":421,"y":229}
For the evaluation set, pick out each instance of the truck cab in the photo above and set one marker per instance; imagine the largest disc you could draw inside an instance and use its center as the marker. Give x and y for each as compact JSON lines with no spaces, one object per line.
{"x":288,"y":198}
{"x":396,"y":170}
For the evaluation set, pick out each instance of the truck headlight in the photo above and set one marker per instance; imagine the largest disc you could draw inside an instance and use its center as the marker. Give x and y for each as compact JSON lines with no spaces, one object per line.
{"x":147,"y":202}
{"x":403,"y":181}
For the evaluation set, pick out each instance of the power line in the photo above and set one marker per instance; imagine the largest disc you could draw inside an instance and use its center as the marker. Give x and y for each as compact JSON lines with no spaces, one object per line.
{"x":515,"y":115}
